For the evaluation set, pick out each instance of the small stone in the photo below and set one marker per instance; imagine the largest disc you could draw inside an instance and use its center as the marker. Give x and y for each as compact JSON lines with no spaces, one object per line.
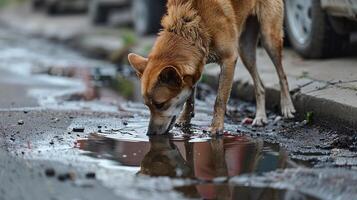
{"x":81,"y":130}
{"x":71,"y":176}
{"x":277,"y":119}
{"x":25,"y":111}
{"x":99,"y":126}
{"x":55,"y":119}
{"x":20,"y":122}
{"x":125,"y":123}
{"x":51,"y":142}
{"x":62,"y":177}
{"x":50,"y":172}
{"x":90,"y":175}
{"x":67,"y":176}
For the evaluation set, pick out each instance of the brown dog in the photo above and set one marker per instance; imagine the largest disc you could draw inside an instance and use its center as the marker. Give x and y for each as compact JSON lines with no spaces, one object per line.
{"x":197,"y":32}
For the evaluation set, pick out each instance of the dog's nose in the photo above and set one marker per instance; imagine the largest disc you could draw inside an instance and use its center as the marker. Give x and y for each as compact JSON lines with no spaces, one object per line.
{"x":153,"y":128}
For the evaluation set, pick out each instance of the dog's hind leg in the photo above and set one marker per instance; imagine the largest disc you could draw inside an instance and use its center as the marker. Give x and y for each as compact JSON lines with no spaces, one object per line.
{"x":247,"y":50}
{"x":271,"y":26}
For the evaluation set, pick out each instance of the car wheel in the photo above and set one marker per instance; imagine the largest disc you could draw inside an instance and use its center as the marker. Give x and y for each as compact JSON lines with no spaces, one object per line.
{"x":37,"y":4}
{"x":147,"y":15}
{"x":53,"y":8}
{"x":309,"y":30}
{"x":98,"y":13}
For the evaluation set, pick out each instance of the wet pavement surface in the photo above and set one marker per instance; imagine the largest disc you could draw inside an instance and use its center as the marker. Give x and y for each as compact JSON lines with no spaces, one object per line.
{"x":65,"y":136}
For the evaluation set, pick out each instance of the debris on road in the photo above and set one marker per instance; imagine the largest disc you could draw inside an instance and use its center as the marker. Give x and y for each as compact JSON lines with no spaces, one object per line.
{"x":90,"y":175}
{"x":50,"y":172}
{"x":247,"y":120}
{"x":78,"y":130}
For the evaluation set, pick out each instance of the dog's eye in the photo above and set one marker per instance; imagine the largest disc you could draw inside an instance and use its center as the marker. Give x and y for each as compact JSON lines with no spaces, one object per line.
{"x":159,"y":105}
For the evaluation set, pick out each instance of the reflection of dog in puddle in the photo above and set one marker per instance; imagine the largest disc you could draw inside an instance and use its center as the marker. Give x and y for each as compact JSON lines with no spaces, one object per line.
{"x":164,"y":159}
{"x":206,"y":160}
{"x":219,"y":157}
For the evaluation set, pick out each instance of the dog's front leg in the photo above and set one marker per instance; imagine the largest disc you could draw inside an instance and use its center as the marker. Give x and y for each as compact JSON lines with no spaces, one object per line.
{"x":224,"y":90}
{"x":188,"y":111}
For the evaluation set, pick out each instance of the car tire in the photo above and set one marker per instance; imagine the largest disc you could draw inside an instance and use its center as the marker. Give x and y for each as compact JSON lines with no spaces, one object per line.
{"x":37,"y":4}
{"x":98,"y":14}
{"x":53,"y":8}
{"x":147,"y":15}
{"x":309,"y":30}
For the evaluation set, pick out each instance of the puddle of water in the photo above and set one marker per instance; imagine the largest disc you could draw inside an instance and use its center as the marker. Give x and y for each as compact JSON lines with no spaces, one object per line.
{"x":209,"y":162}
{"x":224,"y":191}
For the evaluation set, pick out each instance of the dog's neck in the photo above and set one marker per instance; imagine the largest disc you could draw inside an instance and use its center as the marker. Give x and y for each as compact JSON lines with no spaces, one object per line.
{"x":183,"y":20}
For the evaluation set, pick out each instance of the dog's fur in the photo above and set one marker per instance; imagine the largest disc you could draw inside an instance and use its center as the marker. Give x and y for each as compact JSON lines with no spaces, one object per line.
{"x":197,"y":32}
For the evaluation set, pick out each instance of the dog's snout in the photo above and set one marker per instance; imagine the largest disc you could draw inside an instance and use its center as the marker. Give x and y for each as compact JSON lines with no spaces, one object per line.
{"x":160,"y":125}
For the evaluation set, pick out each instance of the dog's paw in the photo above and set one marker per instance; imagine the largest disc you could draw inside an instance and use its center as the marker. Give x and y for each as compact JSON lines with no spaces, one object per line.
{"x":288,"y":110}
{"x":260,"y":121}
{"x":216,"y":130}
{"x":182,"y":124}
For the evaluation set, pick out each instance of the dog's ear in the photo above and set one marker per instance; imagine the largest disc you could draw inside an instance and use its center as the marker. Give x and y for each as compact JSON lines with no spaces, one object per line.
{"x":171,"y":77}
{"x":138,"y":63}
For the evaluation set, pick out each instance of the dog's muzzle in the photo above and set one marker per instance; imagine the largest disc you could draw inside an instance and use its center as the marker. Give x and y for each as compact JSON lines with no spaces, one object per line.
{"x":161,"y":126}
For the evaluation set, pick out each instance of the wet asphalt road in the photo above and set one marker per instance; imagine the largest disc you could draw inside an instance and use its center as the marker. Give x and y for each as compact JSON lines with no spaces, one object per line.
{"x":59,"y":141}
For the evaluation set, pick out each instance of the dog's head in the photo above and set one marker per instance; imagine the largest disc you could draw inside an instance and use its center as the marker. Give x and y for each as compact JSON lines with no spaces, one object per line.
{"x":167,"y":79}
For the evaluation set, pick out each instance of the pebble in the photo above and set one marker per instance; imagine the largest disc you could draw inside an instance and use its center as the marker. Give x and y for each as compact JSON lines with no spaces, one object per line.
{"x":66,"y":176}
{"x":277,"y":119}
{"x":90,"y":175}
{"x":55,"y":119}
{"x":50,"y":172}
{"x":20,"y":122}
{"x":78,"y":130}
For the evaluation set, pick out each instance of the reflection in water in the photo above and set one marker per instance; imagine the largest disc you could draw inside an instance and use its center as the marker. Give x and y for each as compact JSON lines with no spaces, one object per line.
{"x":203,"y":160}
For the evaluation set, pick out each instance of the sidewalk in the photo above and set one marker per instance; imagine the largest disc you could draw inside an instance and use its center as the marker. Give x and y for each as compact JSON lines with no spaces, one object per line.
{"x":328,"y":88}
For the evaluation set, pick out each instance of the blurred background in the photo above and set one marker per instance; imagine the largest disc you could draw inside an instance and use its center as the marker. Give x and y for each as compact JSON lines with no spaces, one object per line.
{"x":64,"y":75}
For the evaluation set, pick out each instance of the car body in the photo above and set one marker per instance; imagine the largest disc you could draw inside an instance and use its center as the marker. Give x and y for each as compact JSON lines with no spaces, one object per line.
{"x":320,"y":28}
{"x":60,"y":6}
